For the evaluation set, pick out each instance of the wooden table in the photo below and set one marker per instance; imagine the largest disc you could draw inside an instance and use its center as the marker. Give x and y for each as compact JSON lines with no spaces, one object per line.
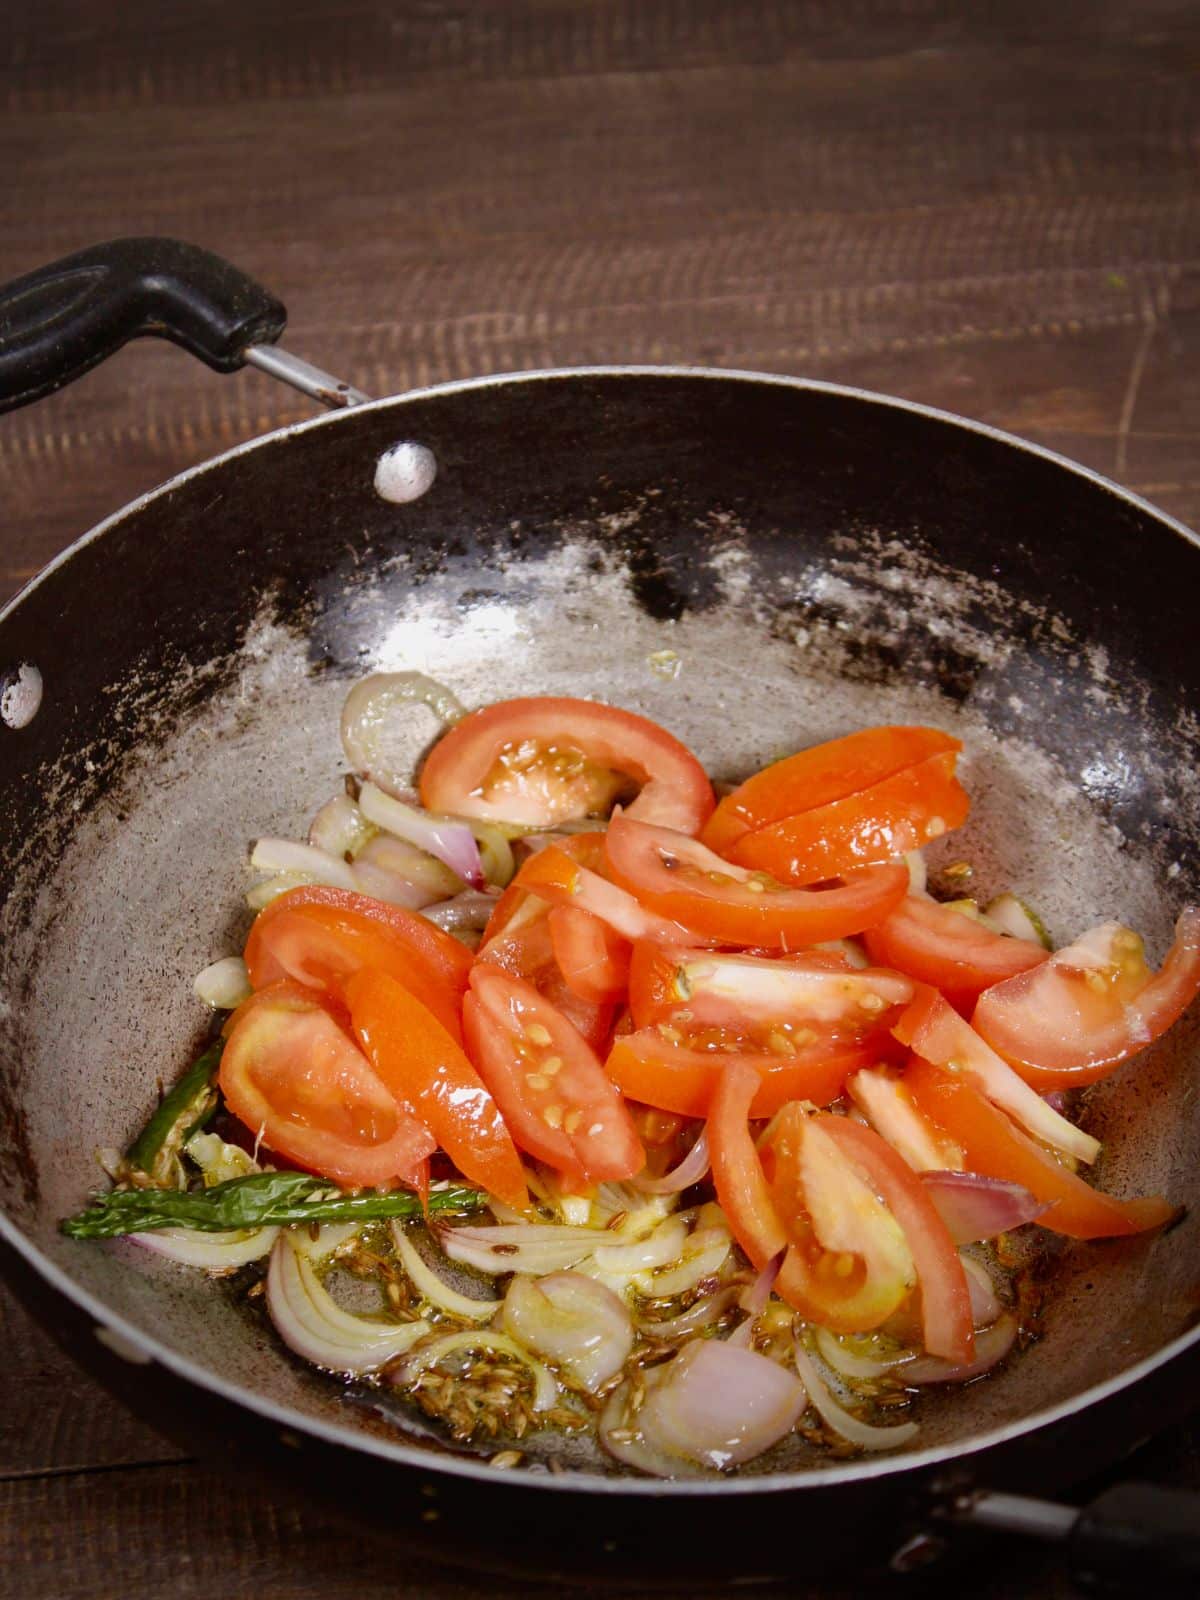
{"x":991,"y":208}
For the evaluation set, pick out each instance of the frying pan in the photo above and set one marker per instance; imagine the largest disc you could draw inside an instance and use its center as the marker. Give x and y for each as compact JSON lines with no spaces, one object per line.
{"x":758,"y":563}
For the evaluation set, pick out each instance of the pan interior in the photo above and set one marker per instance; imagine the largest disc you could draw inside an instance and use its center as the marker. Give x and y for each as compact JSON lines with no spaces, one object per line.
{"x":747,"y":618}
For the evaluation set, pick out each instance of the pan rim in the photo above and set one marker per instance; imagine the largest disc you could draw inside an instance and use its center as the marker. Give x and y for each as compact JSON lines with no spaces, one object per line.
{"x":289,"y":1420}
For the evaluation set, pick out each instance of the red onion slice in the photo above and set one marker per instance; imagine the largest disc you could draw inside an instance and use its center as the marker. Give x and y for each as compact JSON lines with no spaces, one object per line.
{"x":975,"y":1208}
{"x":573,"y":1321}
{"x":374,"y":734}
{"x":866,"y":1435}
{"x":451,"y":842}
{"x":690,"y":1170}
{"x":720,"y":1405}
{"x":991,"y":1346}
{"x":985,"y":1303}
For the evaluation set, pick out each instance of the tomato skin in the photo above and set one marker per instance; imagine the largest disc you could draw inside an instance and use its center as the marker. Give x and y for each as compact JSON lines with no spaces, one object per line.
{"x":323,"y":947}
{"x":996,"y":1147}
{"x":901,"y":813}
{"x":592,"y":957}
{"x":554,"y":1094}
{"x":524,"y":946}
{"x":290,"y":1072}
{"x":680,"y":879}
{"x":741,"y":1184}
{"x":420,"y":1062}
{"x":945,"y":1298}
{"x":464,"y":773}
{"x":672,"y":1077}
{"x":555,"y":876}
{"x":940,"y":946}
{"x":821,"y":776}
{"x":1058,"y":1030}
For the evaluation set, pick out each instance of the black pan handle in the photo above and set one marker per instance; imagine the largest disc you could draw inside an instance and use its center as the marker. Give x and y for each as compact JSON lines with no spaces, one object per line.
{"x":60,"y":321}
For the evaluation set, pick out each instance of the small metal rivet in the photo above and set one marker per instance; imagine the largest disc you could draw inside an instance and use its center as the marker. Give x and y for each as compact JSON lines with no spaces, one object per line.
{"x":20,"y":695}
{"x":405,"y":472}
{"x":122,"y":1346}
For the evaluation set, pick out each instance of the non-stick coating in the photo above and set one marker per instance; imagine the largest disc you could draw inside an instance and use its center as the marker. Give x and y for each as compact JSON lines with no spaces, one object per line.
{"x":757,"y":565}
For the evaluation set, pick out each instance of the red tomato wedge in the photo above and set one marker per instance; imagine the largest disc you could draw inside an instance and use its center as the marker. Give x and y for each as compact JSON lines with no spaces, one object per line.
{"x":553,"y":875}
{"x":420,"y":1062}
{"x":754,"y":997}
{"x":935,"y":1031}
{"x":547,"y":760}
{"x":518,"y":939}
{"x":952,"y":951}
{"x":680,"y":879}
{"x":324,"y":946}
{"x":821,"y":776}
{"x":673,"y":1077}
{"x":945,"y":1298}
{"x":738,"y":1176}
{"x":900,"y":813}
{"x":848,"y":1265}
{"x":553,"y":1092}
{"x":1091,"y":1006}
{"x":592,"y":957}
{"x":293,"y":1076}
{"x":993,"y":1145}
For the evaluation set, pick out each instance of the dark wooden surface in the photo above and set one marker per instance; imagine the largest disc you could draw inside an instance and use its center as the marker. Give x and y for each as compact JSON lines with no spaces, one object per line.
{"x":989,"y":207}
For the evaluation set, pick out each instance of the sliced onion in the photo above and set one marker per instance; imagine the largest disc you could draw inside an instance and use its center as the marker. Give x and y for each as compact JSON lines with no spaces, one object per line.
{"x":704,"y":1314}
{"x":469,"y":911}
{"x":545,"y":1389}
{"x":985,"y":1303}
{"x":451,"y":842}
{"x":835,"y":1353}
{"x":265,"y":890}
{"x":720,"y":1405}
{"x":704,"y":1255}
{"x":572,"y":1321}
{"x":664,"y":1245}
{"x":835,"y":1415}
{"x":495,"y":852}
{"x":530,"y":1247}
{"x":975,"y":1208}
{"x":224,"y":984}
{"x":216,"y":1252}
{"x":330,"y":1236}
{"x":754,"y":1297}
{"x":430,"y":878}
{"x":618,"y":1433}
{"x":690,"y":1170}
{"x":370,"y":712}
{"x":289,"y":855}
{"x":991,"y":1346}
{"x":339,"y":827}
{"x":1007,"y":914}
{"x":309,"y":1319}
{"x":433,"y":1289}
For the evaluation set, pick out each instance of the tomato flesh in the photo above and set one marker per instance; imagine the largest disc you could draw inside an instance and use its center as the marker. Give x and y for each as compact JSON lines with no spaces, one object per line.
{"x":995,"y":1146}
{"x":1091,"y":1006}
{"x":679,"y":878}
{"x":937,"y":945}
{"x":291,"y":1074}
{"x":903,"y":812}
{"x":553,"y":1092}
{"x":420,"y":1062}
{"x":592,"y":957}
{"x":556,"y":877}
{"x":547,"y":760}
{"x":737,"y":1172}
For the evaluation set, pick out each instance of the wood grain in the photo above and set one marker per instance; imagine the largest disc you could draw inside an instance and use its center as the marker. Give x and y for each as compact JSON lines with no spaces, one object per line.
{"x":989,"y":208}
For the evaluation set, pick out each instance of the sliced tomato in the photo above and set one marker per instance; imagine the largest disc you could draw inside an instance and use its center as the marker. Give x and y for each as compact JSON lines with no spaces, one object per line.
{"x":886,"y":1101}
{"x":849,"y":1265}
{"x":296,"y":1079}
{"x":957,"y":954}
{"x":684,"y":881}
{"x":821,"y":776}
{"x":651,"y":1068}
{"x":324,"y":946}
{"x":421,"y":1063}
{"x":553,"y":1092}
{"x":548,"y":760}
{"x":1091,"y":1006}
{"x":555,"y":876}
{"x":902,"y":813}
{"x":592,"y":957}
{"x":946,"y":1320}
{"x":738,"y":1176}
{"x":524,"y":946}
{"x":934,"y":1030}
{"x":993,"y":1145}
{"x":720,"y":1000}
